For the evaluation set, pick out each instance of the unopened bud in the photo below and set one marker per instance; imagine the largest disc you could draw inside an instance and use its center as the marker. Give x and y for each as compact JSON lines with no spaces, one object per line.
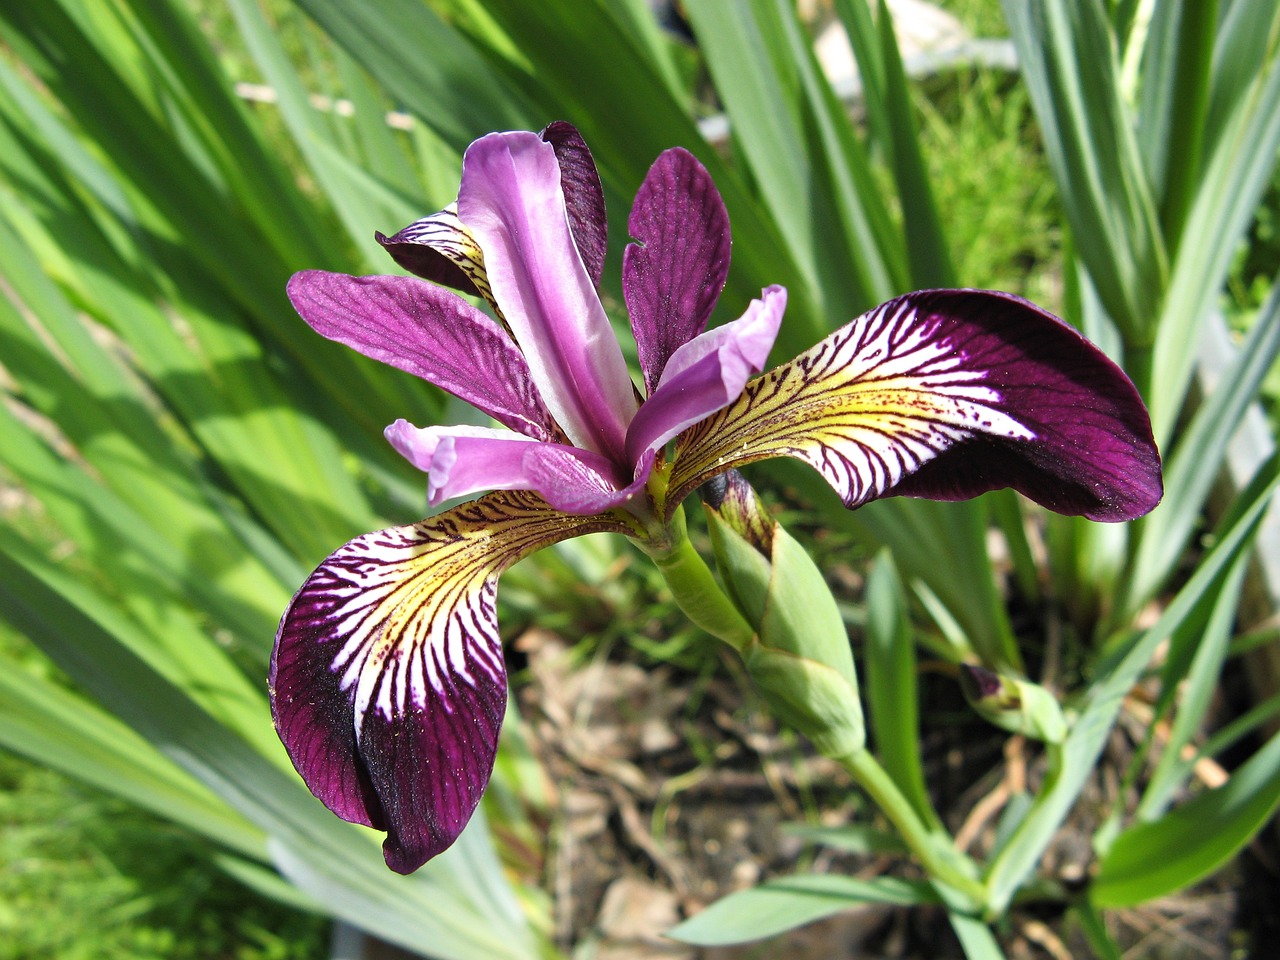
{"x":801,"y":660}
{"x":1013,"y":704}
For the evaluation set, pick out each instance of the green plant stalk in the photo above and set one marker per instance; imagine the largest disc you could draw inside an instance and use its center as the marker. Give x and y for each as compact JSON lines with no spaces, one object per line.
{"x":699,"y":595}
{"x":695,"y":588}
{"x":932,"y":848}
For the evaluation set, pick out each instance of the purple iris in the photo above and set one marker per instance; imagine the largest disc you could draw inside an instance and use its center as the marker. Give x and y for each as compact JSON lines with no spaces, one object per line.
{"x":387,"y":681}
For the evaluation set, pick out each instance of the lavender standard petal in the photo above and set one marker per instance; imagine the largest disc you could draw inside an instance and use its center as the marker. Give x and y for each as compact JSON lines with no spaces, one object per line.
{"x":707,"y":373}
{"x":511,"y":200}
{"x":673,"y":275}
{"x":431,"y":333}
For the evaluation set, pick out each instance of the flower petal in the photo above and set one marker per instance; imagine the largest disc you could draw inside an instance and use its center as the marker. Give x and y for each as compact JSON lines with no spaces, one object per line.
{"x":440,"y":249}
{"x":707,"y":373}
{"x":512,"y":203}
{"x":583,"y":195}
{"x":431,"y":333}
{"x":946,"y":394}
{"x":464,"y":460}
{"x":387,"y":680}
{"x":673,"y":275}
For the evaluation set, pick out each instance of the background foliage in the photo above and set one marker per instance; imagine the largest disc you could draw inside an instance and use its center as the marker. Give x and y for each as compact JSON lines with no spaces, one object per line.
{"x":176,"y":451}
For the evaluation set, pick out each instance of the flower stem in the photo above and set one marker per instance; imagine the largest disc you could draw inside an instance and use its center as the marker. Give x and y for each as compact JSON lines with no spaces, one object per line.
{"x":934,"y":849}
{"x":695,"y":588}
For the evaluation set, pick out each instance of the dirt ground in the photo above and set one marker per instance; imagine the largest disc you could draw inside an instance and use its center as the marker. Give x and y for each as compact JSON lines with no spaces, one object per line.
{"x":669,"y":790}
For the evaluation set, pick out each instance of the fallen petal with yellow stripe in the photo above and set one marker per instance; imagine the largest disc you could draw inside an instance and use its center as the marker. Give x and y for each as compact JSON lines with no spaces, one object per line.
{"x":387,"y":681}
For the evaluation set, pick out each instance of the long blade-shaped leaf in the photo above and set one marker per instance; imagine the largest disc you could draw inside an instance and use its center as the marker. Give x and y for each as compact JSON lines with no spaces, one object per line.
{"x":1088,"y":734}
{"x":892,"y":686}
{"x":1092,"y":149}
{"x":1196,"y":461}
{"x":1130,"y":874}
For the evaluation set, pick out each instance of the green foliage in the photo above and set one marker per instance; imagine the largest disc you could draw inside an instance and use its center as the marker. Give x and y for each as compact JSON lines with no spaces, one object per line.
{"x":85,"y":876}
{"x":176,"y":451}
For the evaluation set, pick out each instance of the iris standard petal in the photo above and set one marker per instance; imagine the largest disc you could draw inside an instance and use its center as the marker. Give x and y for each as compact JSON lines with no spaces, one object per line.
{"x":946,"y":394}
{"x":439,"y":248}
{"x":431,"y":333}
{"x":387,"y":680}
{"x":583,"y":195}
{"x":673,"y":275}
{"x":512,"y":202}
{"x":706,"y":373}
{"x":465,"y":460}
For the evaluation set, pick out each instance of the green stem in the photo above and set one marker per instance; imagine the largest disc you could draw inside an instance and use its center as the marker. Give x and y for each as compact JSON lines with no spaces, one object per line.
{"x":695,"y":588}
{"x":934,"y":850}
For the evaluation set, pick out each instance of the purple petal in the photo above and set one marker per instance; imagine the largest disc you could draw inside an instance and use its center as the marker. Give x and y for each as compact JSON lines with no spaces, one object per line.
{"x":512,"y":203}
{"x":430,"y":333}
{"x":464,"y":460}
{"x":673,"y":275}
{"x":440,"y":249}
{"x":707,"y":373}
{"x":387,"y":681}
{"x":583,"y":195}
{"x":946,"y":394}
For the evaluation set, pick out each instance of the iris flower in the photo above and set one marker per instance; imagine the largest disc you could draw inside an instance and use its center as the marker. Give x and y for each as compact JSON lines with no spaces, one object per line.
{"x":387,"y":680}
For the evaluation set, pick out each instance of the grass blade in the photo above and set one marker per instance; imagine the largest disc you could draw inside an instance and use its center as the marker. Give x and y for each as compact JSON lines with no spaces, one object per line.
{"x":781,"y":905}
{"x":1088,"y":734}
{"x":1128,"y":874}
{"x":891,"y":686}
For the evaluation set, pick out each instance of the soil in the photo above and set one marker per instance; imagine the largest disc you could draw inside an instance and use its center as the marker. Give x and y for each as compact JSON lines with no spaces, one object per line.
{"x":669,"y":788}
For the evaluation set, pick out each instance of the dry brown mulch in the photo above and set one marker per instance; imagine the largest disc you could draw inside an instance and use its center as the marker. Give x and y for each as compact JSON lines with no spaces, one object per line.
{"x":669,"y":789}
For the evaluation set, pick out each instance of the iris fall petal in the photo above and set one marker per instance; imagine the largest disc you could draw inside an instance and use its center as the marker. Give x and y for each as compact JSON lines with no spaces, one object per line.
{"x":946,"y":394}
{"x":387,"y":680}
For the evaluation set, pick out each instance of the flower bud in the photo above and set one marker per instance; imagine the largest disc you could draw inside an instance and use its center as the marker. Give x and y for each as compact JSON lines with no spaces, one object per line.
{"x":800,"y":659}
{"x":1016,"y":705}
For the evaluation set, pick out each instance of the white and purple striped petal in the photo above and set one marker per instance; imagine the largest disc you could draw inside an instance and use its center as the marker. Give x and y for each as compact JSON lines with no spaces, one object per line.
{"x":707,"y":373}
{"x":440,"y":249}
{"x":674,"y":272}
{"x":946,"y":394}
{"x":387,"y":680}
{"x":512,"y":202}
{"x":431,"y":333}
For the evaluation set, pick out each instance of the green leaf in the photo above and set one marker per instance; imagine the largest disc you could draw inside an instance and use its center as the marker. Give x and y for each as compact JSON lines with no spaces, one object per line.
{"x":1237,"y":169}
{"x":976,"y":938}
{"x":59,"y":729}
{"x":1074,"y":764}
{"x":892,"y":687}
{"x":812,"y":174}
{"x":1197,"y":652}
{"x":1174,"y":98}
{"x":1068,"y":63}
{"x":781,"y":905}
{"x":1188,"y":843}
{"x":1196,"y":462}
{"x":887,"y":100}
{"x":424,"y":64}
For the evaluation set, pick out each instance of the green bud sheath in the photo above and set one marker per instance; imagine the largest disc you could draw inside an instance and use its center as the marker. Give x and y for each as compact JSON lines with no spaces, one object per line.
{"x":810,"y":697}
